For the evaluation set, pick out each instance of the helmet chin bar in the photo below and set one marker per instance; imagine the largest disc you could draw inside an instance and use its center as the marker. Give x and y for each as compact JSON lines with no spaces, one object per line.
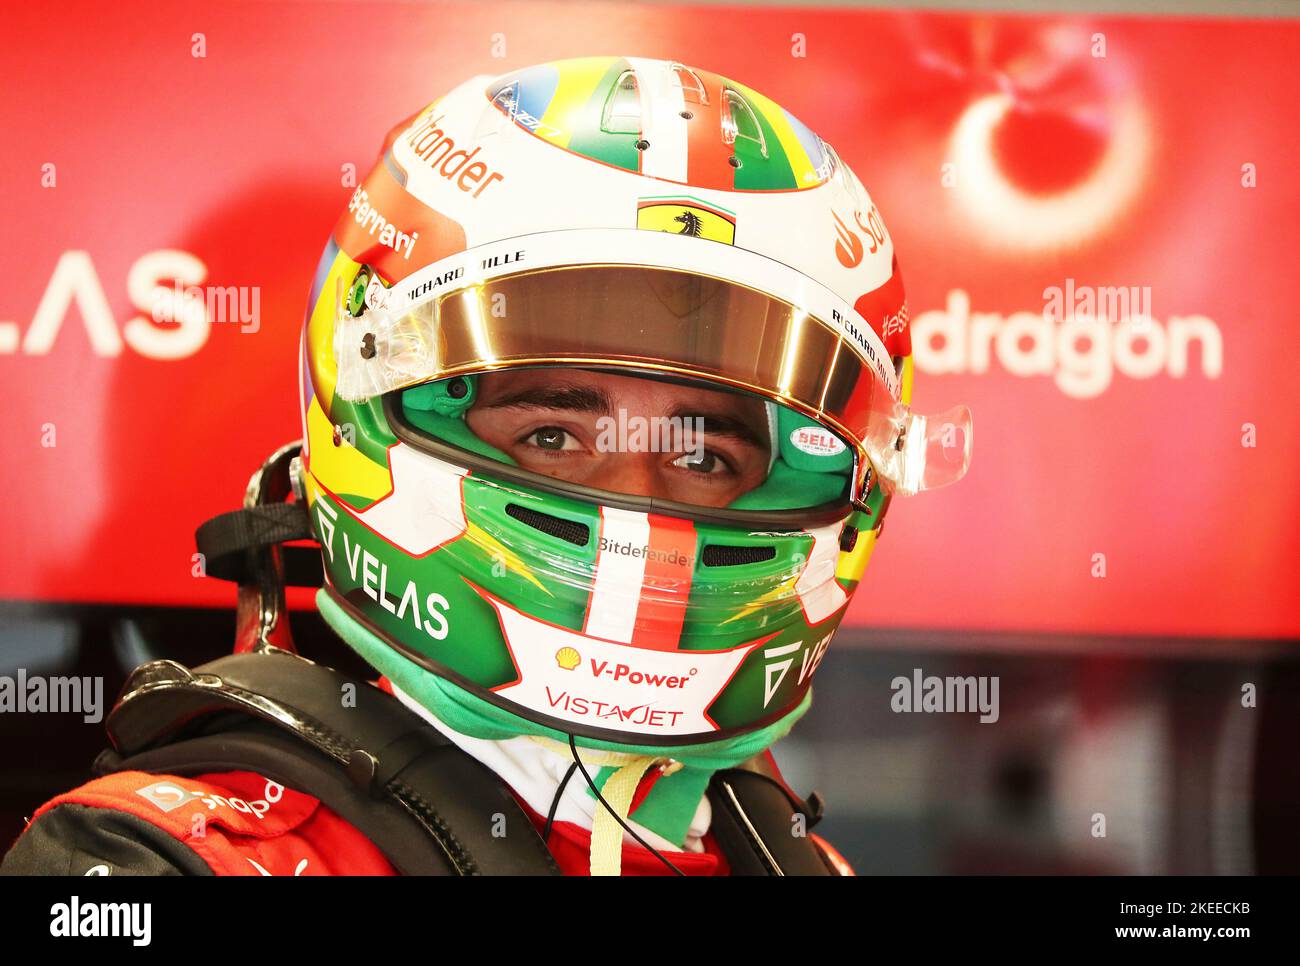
{"x":924,"y":454}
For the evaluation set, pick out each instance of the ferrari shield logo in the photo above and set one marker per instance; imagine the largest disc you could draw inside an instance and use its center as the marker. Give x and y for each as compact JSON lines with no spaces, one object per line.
{"x":687,"y":216}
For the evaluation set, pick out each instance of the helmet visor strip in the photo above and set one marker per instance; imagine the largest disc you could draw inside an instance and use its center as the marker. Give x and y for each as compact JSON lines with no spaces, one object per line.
{"x":652,"y":319}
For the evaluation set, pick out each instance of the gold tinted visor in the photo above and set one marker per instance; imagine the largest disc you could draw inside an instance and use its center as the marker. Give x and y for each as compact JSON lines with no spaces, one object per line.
{"x":655,"y":319}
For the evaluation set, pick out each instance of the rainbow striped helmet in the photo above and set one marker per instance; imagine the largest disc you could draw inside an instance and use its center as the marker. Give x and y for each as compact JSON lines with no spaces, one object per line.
{"x":639,"y":219}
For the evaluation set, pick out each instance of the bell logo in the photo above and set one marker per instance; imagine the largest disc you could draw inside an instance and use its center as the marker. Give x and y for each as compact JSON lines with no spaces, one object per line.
{"x":568,"y":658}
{"x":816,"y":441}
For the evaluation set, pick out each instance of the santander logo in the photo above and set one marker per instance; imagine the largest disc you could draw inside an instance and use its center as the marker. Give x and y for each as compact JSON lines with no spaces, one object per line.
{"x":436,"y":148}
{"x":849,"y":248}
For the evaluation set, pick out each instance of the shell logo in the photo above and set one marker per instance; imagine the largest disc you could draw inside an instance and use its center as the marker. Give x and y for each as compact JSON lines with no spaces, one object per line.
{"x":568,"y":658}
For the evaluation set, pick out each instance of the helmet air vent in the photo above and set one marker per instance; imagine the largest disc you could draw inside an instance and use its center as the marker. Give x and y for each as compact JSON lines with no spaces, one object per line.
{"x":726,"y":555}
{"x":568,"y":530}
{"x":622,"y":113}
{"x":692,"y":86}
{"x":740,"y":123}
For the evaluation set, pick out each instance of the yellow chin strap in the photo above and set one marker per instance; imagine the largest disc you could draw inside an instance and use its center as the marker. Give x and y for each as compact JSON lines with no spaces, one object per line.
{"x":618,"y":791}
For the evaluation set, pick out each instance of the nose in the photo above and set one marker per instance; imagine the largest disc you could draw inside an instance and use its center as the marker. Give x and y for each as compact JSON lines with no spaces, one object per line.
{"x":633,"y":473}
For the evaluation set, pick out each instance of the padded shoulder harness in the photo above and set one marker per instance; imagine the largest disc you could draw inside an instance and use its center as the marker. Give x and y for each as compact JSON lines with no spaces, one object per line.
{"x":428,"y":806}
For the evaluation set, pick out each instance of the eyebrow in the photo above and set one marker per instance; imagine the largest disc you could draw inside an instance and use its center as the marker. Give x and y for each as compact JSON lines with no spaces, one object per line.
{"x":580,"y":399}
{"x":722,"y":425}
{"x":590,"y":399}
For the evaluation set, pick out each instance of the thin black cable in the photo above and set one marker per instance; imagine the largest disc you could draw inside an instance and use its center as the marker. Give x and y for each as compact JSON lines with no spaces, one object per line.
{"x":555,"y":804}
{"x":573,"y":747}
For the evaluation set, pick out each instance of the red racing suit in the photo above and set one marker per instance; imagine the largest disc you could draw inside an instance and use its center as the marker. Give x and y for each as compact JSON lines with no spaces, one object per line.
{"x":240,"y":823}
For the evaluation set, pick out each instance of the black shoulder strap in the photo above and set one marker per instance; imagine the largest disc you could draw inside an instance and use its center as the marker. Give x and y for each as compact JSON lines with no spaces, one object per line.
{"x":429,"y":807}
{"x":229,"y":541}
{"x":761,"y":825}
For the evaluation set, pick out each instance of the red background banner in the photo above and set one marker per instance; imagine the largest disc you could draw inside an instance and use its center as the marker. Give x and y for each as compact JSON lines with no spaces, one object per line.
{"x":1009,"y":155}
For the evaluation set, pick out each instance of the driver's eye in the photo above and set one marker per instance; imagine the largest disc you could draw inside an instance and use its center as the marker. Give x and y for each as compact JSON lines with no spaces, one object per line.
{"x":549,"y":437}
{"x":704,"y":462}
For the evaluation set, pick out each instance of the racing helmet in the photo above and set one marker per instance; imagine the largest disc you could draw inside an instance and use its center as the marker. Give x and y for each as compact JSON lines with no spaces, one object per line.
{"x":641,"y":219}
